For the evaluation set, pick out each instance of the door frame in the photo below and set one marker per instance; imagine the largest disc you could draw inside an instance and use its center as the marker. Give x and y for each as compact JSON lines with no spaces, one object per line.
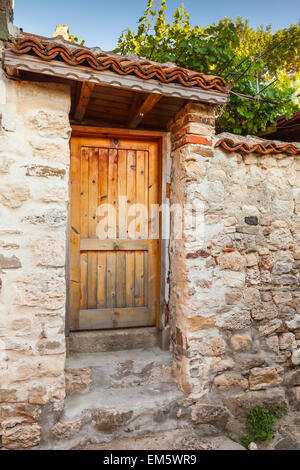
{"x":154,"y":136}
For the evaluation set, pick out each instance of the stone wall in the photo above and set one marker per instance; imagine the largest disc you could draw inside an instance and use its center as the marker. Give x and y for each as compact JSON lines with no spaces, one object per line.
{"x":34,"y":193}
{"x":234,"y":279}
{"x":235,"y":295}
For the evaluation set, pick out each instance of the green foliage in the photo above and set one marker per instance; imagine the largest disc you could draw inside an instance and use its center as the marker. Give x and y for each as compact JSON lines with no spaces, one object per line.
{"x":246,"y":439}
{"x":260,"y":423}
{"x":76,"y":39}
{"x":221,"y":48}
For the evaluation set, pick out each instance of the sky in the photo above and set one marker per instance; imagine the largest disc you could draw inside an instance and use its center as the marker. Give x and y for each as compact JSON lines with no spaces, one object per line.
{"x":100,"y":22}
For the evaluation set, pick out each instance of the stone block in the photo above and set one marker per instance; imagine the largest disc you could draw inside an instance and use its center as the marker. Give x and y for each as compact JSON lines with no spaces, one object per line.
{"x":266,"y":296}
{"x":234,"y":320}
{"x":283,"y":297}
{"x":240,"y":343}
{"x":78,"y":381}
{"x":49,"y":124}
{"x":66,"y":430}
{"x":201,"y":323}
{"x":204,"y":283}
{"x":21,"y":326}
{"x":196,"y":168}
{"x":273,"y":343}
{"x":53,"y":218}
{"x":228,"y":380}
{"x":45,"y":290}
{"x":265,"y":377}
{"x":21,"y":436}
{"x":9,"y":262}
{"x":265,"y":221}
{"x":218,"y":365}
{"x":50,"y":251}
{"x":214,"y":346}
{"x":293,"y":324}
{"x":286,"y":313}
{"x":110,"y":420}
{"x":199,"y":129}
{"x":211,"y":219}
{"x":5,"y":164}
{"x":265,"y":311}
{"x":251,"y":220}
{"x":14,"y":195}
{"x":210,"y":414}
{"x":45,"y":171}
{"x":252,"y":296}
{"x":269,"y":327}
{"x":8,"y":395}
{"x":281,"y":267}
{"x":251,"y":260}
{"x":53,"y":193}
{"x":233,"y":279}
{"x":296,"y":357}
{"x":232,"y":297}
{"x":287,"y":341}
{"x":296,"y":392}
{"x":37,"y":394}
{"x":292,"y":378}
{"x":46,"y":346}
{"x":232,"y":261}
{"x":297,"y":252}
{"x":241,"y":404}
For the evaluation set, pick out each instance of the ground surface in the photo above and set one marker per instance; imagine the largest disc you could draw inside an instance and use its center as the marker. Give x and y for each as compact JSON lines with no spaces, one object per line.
{"x":286,"y":437}
{"x":180,"y":439}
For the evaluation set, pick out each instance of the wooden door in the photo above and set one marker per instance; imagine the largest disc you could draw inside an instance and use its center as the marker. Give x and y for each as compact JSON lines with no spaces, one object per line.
{"x":114,"y":234}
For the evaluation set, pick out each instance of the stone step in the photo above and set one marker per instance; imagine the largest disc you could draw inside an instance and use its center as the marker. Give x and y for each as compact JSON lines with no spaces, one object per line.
{"x":112,"y":340}
{"x":175,"y":439}
{"x":106,"y":414}
{"x":118,"y":369}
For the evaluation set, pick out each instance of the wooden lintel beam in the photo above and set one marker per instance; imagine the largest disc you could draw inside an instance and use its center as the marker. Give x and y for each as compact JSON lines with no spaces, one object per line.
{"x":83,"y":101}
{"x":135,"y":105}
{"x":143,"y":109}
{"x":12,"y":71}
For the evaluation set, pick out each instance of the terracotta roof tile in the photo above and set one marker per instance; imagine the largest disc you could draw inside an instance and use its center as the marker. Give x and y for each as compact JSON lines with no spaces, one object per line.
{"x":49,"y":49}
{"x":262,"y":147}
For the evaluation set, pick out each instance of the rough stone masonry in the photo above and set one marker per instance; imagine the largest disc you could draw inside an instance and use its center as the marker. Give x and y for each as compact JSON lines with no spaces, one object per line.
{"x":34,"y":192}
{"x":235,"y":300}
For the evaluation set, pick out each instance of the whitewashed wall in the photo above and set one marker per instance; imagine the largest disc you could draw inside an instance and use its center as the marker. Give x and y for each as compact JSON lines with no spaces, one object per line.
{"x":34,"y":200}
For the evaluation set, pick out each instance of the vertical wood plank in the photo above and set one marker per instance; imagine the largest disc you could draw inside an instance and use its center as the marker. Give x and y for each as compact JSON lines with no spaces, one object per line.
{"x":93,"y":203}
{"x":146,"y":196}
{"x":112,"y":225}
{"x":139,"y":256}
{"x":122,"y":228}
{"x":122,"y":194}
{"x":164,"y":239}
{"x":84,"y":225}
{"x":153,"y":260}
{"x":131,"y":233}
{"x":103,"y":192}
{"x":147,"y":225}
{"x":121,"y":279}
{"x":74,"y":292}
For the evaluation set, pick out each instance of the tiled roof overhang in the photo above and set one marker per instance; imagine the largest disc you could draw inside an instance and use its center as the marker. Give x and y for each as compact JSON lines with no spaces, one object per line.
{"x":83,"y":59}
{"x":257,"y":147}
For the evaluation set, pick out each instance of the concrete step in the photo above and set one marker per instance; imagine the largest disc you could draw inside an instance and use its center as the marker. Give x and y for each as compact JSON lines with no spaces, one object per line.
{"x":112,"y":340}
{"x":121,"y":369}
{"x":105,"y":414}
